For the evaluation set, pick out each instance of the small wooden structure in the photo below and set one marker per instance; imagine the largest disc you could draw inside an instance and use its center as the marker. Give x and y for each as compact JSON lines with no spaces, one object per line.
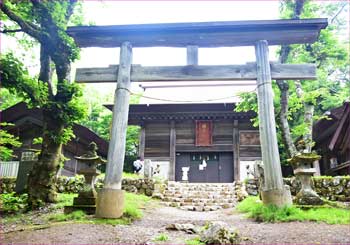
{"x":228,"y":141}
{"x":332,"y":139}
{"x":28,"y":125}
{"x":194,"y":36}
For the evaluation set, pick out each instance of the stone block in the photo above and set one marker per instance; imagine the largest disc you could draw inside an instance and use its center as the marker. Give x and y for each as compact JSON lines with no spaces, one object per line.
{"x":110,"y":203}
{"x":277,"y":197}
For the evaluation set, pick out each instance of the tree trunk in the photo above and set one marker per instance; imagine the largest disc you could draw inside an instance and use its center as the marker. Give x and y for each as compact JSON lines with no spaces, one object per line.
{"x":284,"y":88}
{"x":285,"y":129}
{"x":41,"y":180}
{"x":307,"y":137}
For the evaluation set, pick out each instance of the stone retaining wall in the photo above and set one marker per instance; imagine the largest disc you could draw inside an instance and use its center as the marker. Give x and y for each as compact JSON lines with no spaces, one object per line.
{"x":331,"y":188}
{"x":75,"y":184}
{"x":7,"y":184}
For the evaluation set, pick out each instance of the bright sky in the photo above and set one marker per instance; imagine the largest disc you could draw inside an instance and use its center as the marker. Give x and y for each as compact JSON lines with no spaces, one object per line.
{"x":140,"y":12}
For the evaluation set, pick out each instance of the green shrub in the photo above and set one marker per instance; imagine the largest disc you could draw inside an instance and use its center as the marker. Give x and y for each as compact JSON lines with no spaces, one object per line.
{"x":11,"y":202}
{"x":270,"y":213}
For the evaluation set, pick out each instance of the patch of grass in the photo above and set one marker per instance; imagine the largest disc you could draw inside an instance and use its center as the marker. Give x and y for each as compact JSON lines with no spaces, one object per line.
{"x":132,"y":211}
{"x":131,"y":176}
{"x":64,"y":199}
{"x":262,"y":213}
{"x":194,"y":241}
{"x":161,"y":237}
{"x":133,"y":205}
{"x":76,"y":215}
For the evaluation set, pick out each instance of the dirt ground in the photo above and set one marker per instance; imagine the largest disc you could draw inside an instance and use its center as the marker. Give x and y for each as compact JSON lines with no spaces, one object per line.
{"x":155,"y":220}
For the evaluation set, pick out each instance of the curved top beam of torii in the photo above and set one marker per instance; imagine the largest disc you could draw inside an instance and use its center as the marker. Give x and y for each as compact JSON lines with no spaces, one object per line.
{"x":201,"y":34}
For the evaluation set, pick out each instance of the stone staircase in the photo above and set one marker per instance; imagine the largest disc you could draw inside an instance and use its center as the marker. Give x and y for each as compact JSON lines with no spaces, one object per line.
{"x":200,"y":196}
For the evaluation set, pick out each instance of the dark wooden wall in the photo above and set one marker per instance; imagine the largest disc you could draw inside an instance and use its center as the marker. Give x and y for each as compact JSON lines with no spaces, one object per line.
{"x":158,"y":135}
{"x":157,"y":139}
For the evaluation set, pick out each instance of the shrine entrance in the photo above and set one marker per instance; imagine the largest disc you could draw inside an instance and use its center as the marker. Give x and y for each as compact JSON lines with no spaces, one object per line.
{"x":193,"y":36}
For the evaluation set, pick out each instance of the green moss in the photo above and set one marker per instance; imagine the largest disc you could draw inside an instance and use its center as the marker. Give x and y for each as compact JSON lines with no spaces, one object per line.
{"x":194,"y":241}
{"x":256,"y":210}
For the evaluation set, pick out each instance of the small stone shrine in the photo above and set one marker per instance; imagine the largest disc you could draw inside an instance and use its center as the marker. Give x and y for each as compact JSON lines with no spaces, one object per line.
{"x":86,"y":200}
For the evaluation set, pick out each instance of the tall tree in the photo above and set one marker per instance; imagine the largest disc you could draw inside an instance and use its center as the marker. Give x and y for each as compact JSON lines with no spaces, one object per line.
{"x":46,"y":22}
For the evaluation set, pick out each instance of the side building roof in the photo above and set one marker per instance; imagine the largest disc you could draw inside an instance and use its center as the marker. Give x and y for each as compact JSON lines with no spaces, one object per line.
{"x":20,"y":114}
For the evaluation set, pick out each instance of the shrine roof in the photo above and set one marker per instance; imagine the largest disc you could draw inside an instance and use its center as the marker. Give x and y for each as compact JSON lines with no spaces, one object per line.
{"x":202,"y":34}
{"x":139,"y":113}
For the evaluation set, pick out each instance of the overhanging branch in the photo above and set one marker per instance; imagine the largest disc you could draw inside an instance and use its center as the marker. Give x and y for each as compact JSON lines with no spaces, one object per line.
{"x":26,"y":27}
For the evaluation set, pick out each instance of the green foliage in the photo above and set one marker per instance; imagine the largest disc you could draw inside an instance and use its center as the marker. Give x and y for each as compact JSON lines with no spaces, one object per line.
{"x":194,"y":241}
{"x":64,"y":199}
{"x":161,"y":237}
{"x":249,"y":102}
{"x":7,"y":143}
{"x":37,"y":141}
{"x":262,"y":213}
{"x":16,"y":79}
{"x":12,"y":203}
{"x":8,"y":99}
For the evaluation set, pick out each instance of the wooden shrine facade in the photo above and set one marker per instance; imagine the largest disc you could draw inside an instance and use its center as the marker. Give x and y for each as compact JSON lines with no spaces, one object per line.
{"x":170,"y":135}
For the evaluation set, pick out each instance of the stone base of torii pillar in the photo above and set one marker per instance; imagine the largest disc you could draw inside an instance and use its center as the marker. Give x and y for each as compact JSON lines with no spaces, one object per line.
{"x":110,"y":203}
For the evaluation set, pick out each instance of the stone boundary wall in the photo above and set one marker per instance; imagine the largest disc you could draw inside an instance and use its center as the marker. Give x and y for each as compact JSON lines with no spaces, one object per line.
{"x":75,"y":184}
{"x":331,"y":188}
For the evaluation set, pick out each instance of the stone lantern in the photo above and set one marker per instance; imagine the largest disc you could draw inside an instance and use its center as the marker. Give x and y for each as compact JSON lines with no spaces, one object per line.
{"x":86,"y":199}
{"x":302,"y":169}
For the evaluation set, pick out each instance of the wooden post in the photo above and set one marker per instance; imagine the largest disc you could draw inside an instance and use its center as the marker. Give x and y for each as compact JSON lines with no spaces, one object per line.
{"x":142,"y":142}
{"x":236,"y":163}
{"x":273,"y":190}
{"x":192,"y":55}
{"x":172,"y":151}
{"x":110,"y":202}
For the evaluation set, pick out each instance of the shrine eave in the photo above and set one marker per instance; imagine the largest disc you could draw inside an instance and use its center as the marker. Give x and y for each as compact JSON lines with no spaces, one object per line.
{"x":201,"y":34}
{"x":140,"y":113}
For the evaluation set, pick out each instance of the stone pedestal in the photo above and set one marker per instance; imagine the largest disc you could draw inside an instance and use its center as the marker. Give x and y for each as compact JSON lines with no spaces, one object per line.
{"x":306,"y":195}
{"x":277,"y":197}
{"x":110,"y":203}
{"x":304,"y":172}
{"x":86,"y":200}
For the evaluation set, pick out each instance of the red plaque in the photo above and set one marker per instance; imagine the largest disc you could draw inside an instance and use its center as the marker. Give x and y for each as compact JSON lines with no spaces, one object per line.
{"x":204,"y":133}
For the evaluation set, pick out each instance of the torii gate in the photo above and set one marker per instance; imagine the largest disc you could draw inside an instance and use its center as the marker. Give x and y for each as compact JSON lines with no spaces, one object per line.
{"x":193,"y":36}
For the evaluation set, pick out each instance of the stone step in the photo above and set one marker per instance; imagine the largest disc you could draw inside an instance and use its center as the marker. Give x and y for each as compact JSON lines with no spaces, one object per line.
{"x":200,"y":196}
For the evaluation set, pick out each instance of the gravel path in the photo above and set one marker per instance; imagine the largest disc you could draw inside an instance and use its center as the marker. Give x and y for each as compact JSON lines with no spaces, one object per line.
{"x":155,"y":220}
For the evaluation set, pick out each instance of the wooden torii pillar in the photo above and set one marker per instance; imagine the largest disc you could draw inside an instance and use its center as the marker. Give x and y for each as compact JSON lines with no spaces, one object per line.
{"x":110,"y":201}
{"x":274,"y":191}
{"x":205,"y":34}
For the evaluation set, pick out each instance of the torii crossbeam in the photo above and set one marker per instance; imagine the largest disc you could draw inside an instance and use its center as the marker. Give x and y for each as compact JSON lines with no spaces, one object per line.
{"x":193,"y":36}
